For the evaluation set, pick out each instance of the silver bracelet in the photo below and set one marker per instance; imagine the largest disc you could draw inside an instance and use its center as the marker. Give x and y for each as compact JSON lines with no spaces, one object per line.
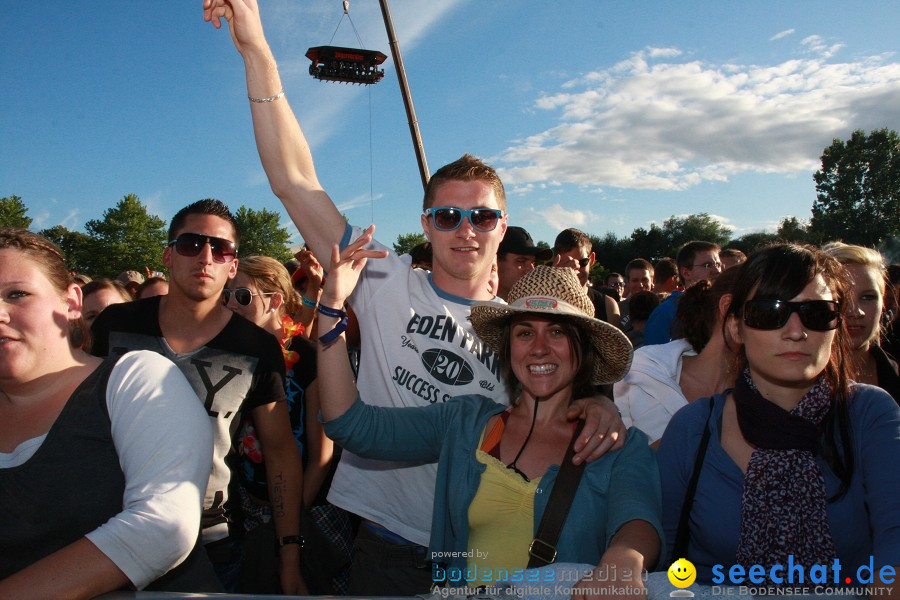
{"x":269,"y":99}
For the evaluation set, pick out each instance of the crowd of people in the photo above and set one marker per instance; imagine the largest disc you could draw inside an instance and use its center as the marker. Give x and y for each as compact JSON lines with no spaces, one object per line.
{"x":479,"y":413}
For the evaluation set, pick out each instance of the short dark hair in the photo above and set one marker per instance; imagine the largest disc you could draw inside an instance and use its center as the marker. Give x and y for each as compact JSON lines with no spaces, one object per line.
{"x":698,"y":308}
{"x":733,"y":252}
{"x":422,"y":255}
{"x":208,"y":206}
{"x":687,"y":253}
{"x":571,"y":238}
{"x":638,"y":263}
{"x":641,"y":304}
{"x":665,"y":269}
{"x":465,"y":168}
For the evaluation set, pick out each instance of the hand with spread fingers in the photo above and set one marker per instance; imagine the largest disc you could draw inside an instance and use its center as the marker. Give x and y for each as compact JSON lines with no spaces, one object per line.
{"x":346,"y":267}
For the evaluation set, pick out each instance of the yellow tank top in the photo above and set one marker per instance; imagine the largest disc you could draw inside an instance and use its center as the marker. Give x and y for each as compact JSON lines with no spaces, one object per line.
{"x":501,"y":519}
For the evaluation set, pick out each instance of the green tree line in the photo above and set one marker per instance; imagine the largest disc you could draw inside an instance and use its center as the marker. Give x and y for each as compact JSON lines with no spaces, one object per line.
{"x":857,"y":201}
{"x":128,"y":237}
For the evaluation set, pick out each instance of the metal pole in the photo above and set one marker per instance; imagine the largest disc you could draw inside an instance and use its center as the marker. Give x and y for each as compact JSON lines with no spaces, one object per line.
{"x":404,"y":91}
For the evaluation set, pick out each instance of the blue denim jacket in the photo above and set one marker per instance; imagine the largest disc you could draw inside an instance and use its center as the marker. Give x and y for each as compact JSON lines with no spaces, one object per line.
{"x":616,"y":488}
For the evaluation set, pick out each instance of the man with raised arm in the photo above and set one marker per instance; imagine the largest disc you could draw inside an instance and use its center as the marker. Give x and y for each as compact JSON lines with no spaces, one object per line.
{"x":417,"y":344}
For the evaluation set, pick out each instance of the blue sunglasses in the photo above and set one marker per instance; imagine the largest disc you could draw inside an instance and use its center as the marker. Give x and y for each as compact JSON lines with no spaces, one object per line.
{"x":448,"y":218}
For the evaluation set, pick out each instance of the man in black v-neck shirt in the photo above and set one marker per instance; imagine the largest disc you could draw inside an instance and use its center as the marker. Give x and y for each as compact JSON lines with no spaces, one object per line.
{"x":233,"y":366}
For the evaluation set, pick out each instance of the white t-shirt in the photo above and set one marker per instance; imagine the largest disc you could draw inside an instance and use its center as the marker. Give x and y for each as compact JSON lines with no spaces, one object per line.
{"x":650,"y":394}
{"x":164,"y":442}
{"x":418,"y":347}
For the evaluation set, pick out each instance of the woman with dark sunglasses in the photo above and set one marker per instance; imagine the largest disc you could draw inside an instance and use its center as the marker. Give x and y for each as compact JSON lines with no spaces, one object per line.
{"x":262,"y":292}
{"x":789,"y":465}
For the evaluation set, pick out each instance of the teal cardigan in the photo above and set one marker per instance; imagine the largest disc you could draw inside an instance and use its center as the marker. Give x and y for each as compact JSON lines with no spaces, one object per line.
{"x":618,"y":487}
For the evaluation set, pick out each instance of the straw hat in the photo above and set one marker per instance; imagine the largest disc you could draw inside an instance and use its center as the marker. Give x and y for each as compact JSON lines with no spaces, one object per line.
{"x":556,"y":291}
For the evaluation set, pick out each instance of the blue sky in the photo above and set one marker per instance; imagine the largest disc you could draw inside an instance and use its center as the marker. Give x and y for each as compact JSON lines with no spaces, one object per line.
{"x":600,"y":115}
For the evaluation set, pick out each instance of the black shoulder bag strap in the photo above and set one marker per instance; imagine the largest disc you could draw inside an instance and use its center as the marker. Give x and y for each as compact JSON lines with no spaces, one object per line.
{"x":542,"y":550}
{"x":683,"y":535}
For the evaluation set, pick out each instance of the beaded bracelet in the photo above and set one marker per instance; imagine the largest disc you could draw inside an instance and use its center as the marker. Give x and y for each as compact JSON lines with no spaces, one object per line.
{"x":269,"y":99}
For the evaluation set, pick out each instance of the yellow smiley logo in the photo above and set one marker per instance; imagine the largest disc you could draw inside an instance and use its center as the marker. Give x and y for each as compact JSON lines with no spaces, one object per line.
{"x":682,"y":573}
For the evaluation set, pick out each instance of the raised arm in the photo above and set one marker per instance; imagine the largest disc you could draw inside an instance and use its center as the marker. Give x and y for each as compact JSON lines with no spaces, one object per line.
{"x":337,"y":388}
{"x":283,"y":148}
{"x":306,"y":316}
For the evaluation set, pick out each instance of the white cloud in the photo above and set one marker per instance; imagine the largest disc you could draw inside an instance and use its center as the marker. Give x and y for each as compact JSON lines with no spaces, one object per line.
{"x":782,"y":34}
{"x":661,"y":124}
{"x":723,"y":221}
{"x":558,"y":218}
{"x":52,"y":216}
{"x":816,"y":45}
{"x":357,"y":202}
{"x":41,"y":220}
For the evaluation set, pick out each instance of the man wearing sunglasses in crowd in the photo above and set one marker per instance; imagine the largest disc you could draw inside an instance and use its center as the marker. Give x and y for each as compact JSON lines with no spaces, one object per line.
{"x":573,"y":249}
{"x":697,"y":260}
{"x":417,"y":345}
{"x":233,"y":366}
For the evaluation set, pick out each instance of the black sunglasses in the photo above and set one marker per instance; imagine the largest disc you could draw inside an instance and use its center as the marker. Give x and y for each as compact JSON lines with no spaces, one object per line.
{"x":583,"y":262}
{"x":242,"y":296}
{"x":817,"y":315}
{"x":191,"y":244}
{"x":448,"y":218}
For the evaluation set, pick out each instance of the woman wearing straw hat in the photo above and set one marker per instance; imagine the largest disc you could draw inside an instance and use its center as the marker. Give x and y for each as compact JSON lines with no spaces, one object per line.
{"x":497,"y":464}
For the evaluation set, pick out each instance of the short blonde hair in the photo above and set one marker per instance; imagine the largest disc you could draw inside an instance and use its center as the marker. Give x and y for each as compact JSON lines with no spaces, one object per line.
{"x":271,"y":276}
